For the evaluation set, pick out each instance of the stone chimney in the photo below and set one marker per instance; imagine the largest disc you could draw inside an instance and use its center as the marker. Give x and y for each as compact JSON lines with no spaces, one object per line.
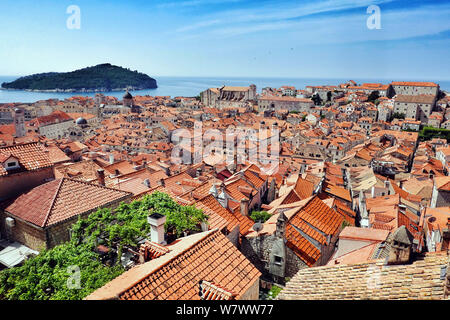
{"x":162,"y":183}
{"x":277,"y":257}
{"x":244,"y":207}
{"x":101,"y":177}
{"x":147,"y":183}
{"x":157,"y":222}
{"x":401,"y":244}
{"x":281,"y":225}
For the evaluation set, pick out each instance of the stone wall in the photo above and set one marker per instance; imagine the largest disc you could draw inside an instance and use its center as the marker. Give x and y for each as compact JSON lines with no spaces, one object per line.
{"x":252,"y":293}
{"x":38,"y":238}
{"x":413,"y":90}
{"x":14,"y":184}
{"x":258,"y":249}
{"x":23,"y":232}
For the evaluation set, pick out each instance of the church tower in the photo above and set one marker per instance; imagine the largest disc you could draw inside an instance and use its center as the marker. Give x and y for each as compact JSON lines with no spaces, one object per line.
{"x":128,"y":99}
{"x":19,"y":122}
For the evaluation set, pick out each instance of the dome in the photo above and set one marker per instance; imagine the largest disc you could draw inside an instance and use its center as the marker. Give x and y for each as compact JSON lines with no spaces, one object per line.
{"x":127,"y":95}
{"x":81,"y":121}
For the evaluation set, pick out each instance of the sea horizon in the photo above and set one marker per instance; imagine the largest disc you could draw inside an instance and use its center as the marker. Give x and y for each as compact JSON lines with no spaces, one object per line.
{"x":191,"y":86}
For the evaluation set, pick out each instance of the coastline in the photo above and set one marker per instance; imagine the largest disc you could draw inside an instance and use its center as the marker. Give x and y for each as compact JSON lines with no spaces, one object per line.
{"x":79,"y":90}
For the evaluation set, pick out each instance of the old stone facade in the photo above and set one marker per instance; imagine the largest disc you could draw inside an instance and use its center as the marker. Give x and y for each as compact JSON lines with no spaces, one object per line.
{"x":415,"y":88}
{"x":259,"y":250}
{"x":228,"y":97}
{"x":415,"y":107}
{"x":38,"y":238}
{"x":275,"y":103}
{"x":12,"y":185}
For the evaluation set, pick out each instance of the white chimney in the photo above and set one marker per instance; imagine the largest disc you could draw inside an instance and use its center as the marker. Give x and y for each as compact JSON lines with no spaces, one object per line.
{"x":111,"y":159}
{"x":157,"y":222}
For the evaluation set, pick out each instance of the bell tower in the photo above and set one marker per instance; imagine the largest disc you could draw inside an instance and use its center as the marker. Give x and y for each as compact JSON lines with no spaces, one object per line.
{"x":19,"y":122}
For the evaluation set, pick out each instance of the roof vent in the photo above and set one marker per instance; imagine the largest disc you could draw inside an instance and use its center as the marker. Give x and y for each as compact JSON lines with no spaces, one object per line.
{"x":10,"y":222}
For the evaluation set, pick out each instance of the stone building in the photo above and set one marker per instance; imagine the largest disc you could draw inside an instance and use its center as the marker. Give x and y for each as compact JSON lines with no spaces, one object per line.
{"x":426,"y":278}
{"x":228,"y":97}
{"x":275,"y":103}
{"x":415,"y":88}
{"x":19,"y":122}
{"x":41,"y":218}
{"x":417,"y":107}
{"x":368,"y":88}
{"x":297,"y":236}
{"x":441,"y":192}
{"x":202,"y":266}
{"x":23,"y":167}
{"x":53,"y":126}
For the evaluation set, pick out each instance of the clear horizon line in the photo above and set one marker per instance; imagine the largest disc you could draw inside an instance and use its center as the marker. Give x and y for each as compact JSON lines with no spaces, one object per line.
{"x":282,"y":77}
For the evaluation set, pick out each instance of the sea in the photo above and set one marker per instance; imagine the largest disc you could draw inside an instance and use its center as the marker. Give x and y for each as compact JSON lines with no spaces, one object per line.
{"x":192,"y":86}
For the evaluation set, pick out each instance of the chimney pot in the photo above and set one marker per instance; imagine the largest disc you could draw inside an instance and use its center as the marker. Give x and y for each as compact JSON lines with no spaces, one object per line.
{"x":244,"y":207}
{"x":101,"y":177}
{"x":157,"y":222}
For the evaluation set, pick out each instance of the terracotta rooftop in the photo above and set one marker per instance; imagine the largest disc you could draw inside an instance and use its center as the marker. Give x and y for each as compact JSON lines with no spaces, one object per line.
{"x":416,"y":84}
{"x":207,"y":256}
{"x":373,"y":280}
{"x":61,"y":199}
{"x":31,"y":157}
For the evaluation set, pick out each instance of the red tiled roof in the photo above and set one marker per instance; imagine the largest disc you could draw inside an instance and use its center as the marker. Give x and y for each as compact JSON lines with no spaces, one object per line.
{"x":415,"y":84}
{"x":61,"y":199}
{"x":232,"y":219}
{"x":304,"y":188}
{"x":207,"y":256}
{"x":31,"y":156}
{"x":313,"y":217}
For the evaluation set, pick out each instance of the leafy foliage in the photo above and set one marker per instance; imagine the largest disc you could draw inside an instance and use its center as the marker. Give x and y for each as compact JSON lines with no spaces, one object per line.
{"x":317,"y":99}
{"x":429,"y":133}
{"x":398,"y":115}
{"x":102,"y":76}
{"x":262,"y":216}
{"x":128,"y":223}
{"x":274,"y":291}
{"x":46,"y":276}
{"x":373,"y":96}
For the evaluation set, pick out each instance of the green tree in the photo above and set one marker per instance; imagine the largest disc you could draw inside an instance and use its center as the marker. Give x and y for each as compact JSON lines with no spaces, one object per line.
{"x":48,"y":275}
{"x":317,"y":99}
{"x":262,"y":216}
{"x":373,"y":96}
{"x":398,"y":115}
{"x":45,"y":276}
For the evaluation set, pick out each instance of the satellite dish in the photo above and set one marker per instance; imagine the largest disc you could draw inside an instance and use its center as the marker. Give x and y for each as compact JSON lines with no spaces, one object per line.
{"x":258,"y":226}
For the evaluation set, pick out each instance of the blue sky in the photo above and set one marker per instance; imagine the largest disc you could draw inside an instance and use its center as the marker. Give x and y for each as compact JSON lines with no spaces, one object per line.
{"x":253,"y":38}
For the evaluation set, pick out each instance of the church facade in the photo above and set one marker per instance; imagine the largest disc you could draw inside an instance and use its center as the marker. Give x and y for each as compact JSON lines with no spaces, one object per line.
{"x":228,"y":97}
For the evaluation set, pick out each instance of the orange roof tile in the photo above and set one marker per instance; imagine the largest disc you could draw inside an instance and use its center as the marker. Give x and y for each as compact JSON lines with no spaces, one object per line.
{"x":31,"y":156}
{"x":61,"y":199}
{"x":207,"y":256}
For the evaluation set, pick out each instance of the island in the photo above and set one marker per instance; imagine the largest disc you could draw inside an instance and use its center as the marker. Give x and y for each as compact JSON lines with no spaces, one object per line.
{"x":100,"y":78}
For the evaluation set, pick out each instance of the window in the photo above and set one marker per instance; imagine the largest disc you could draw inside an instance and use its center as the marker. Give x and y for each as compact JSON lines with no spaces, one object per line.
{"x":278,"y":260}
{"x":11,"y":164}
